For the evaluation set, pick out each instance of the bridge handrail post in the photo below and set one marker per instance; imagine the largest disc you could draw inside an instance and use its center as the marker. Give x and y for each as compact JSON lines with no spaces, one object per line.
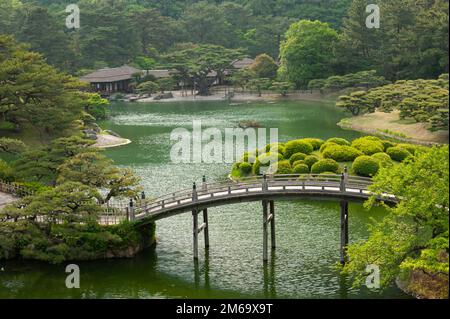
{"x":342,"y":183}
{"x":264,"y":183}
{"x":194,"y":192}
{"x":204,"y":185}
{"x":132,"y":216}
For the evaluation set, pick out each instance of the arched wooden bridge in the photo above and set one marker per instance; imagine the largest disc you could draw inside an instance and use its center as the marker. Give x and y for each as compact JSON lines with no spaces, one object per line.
{"x":342,"y":188}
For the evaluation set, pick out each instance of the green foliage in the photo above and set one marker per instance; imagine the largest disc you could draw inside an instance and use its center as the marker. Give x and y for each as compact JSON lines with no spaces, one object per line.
{"x":366,"y":166}
{"x":297,"y":146}
{"x":398,"y":154}
{"x":409,"y":147}
{"x":245,"y":168}
{"x":369,"y":145}
{"x":259,"y":84}
{"x":383,"y":159}
{"x":198,"y":61}
{"x":325,"y":165}
{"x":6,"y":172}
{"x":341,"y":153}
{"x":311,"y":160}
{"x":148,"y":87}
{"x":96,"y":170}
{"x":96,"y":106}
{"x":264,"y":67}
{"x":13,"y":146}
{"x":34,"y":93}
{"x":265,"y":160}
{"x":389,"y":49}
{"x":421,"y":100}
{"x":282,"y":167}
{"x":339,"y":141}
{"x":315,"y":142}
{"x":300,"y":169}
{"x":414,"y":235}
{"x":297,"y":157}
{"x":307,"y":51}
{"x":367,"y":79}
{"x":282,"y":87}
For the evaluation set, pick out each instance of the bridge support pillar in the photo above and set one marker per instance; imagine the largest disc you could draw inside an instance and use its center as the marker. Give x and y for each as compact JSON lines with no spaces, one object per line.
{"x":206,"y":229}
{"x":272,"y":224}
{"x":344,"y":231}
{"x":265,"y":231}
{"x":195,"y":233}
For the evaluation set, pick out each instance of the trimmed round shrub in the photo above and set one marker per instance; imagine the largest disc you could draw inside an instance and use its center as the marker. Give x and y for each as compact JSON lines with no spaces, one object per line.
{"x":369,"y":145}
{"x":282,"y":167}
{"x":325,"y":145}
{"x":248,"y":158}
{"x":339,"y":141}
{"x":315,"y":142}
{"x":341,"y":153}
{"x":297,"y":157}
{"x":299,"y":162}
{"x":387,"y":144}
{"x":311,"y":160}
{"x":325,"y":165}
{"x":398,"y":154}
{"x":245,"y":168}
{"x":383,"y":159}
{"x":297,"y":146}
{"x":366,"y":166}
{"x":266,"y":160}
{"x":409,"y":147}
{"x":279,"y":147}
{"x":300,"y":169}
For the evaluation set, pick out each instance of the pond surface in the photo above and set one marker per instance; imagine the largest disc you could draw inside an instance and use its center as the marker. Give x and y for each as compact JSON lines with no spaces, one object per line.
{"x":302,"y":266}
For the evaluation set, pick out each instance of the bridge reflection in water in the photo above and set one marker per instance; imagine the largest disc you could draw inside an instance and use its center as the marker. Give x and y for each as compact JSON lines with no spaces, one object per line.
{"x":267,"y":189}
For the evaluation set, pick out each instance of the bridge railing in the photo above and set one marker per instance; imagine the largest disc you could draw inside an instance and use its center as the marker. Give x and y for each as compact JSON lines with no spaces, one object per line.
{"x":323,"y":180}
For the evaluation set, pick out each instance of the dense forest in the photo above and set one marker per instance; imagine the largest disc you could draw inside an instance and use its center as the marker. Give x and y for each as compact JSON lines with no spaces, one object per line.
{"x":412,"y":42}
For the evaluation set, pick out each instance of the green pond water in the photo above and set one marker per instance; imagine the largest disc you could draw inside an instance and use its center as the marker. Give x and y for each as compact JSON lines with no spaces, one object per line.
{"x":302,"y":266}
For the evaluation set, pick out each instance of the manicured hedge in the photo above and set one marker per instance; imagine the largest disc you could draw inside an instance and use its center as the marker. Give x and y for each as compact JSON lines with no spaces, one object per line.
{"x":398,"y":154}
{"x":369,"y":145}
{"x":315,"y":142}
{"x":245,"y":168}
{"x":325,"y":165}
{"x":341,"y":153}
{"x":409,"y":147}
{"x":339,"y":141}
{"x":366,"y":166}
{"x":282,"y":167}
{"x":266,"y":160}
{"x":311,"y":160}
{"x":387,"y":144}
{"x":278,"y":147}
{"x":299,"y":162}
{"x":300,"y":169}
{"x":297,"y":157}
{"x":383,"y":159}
{"x":297,"y":146}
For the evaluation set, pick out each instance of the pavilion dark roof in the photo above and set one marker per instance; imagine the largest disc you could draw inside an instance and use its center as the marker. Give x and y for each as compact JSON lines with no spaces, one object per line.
{"x":111,"y":74}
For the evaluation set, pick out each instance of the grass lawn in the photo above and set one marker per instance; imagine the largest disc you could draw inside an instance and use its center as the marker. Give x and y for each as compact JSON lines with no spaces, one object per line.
{"x":390,"y":123}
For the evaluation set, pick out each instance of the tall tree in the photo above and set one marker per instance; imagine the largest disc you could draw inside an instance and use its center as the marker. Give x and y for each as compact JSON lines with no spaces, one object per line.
{"x":307,"y":52}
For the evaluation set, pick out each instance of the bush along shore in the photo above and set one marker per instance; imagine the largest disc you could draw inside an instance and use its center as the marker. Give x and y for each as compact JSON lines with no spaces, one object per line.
{"x":363,"y":157}
{"x":56,"y":243}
